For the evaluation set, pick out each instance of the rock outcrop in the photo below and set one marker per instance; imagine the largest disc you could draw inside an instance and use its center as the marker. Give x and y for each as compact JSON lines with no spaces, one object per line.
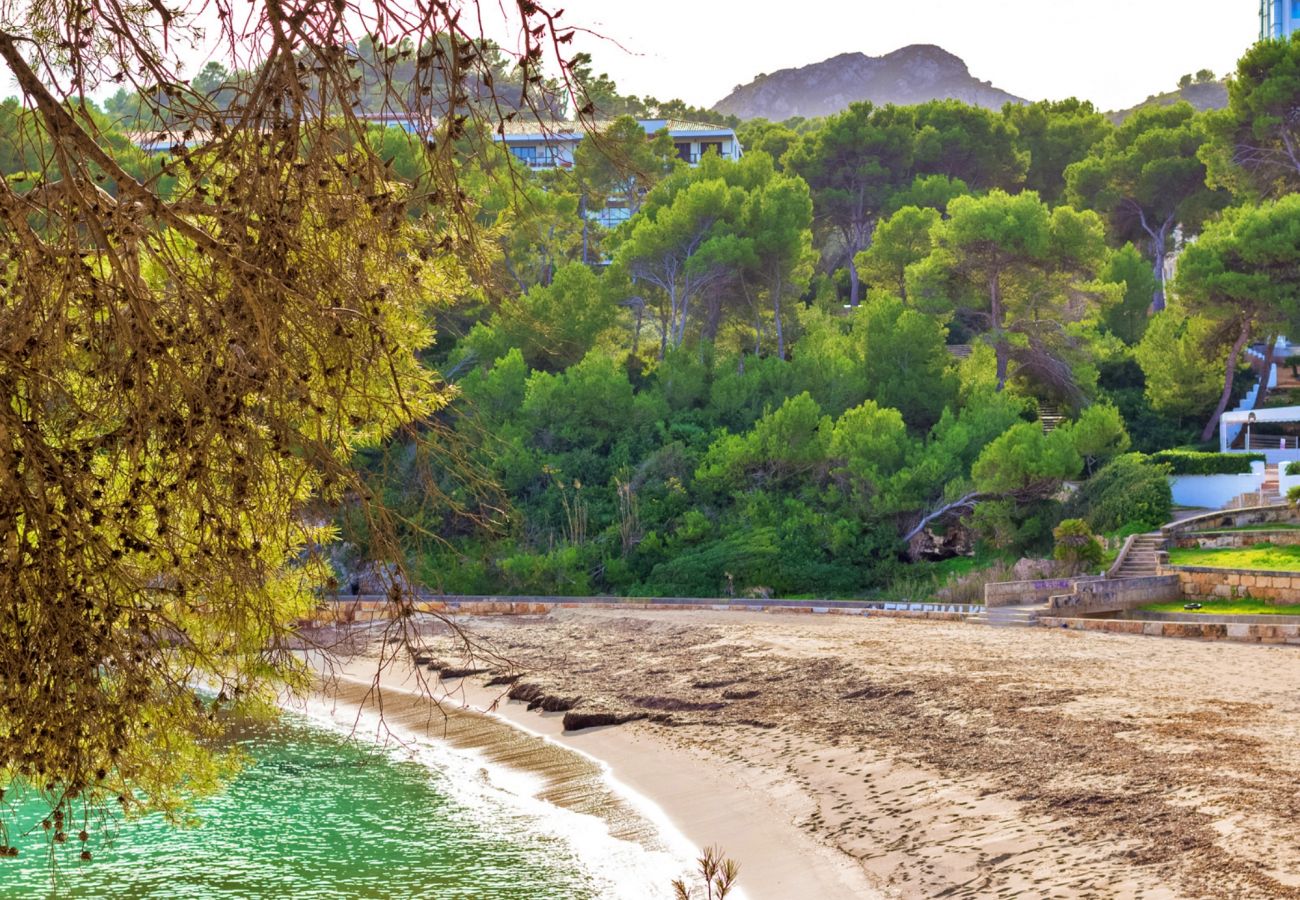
{"x":1208,"y":96}
{"x":910,"y":75}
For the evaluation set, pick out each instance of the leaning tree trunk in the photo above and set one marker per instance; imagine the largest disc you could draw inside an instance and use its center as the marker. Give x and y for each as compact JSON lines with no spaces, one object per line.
{"x":1230,"y":372}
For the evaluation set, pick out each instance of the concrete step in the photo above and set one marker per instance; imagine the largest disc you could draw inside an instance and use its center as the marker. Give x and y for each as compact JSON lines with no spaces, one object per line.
{"x":1014,"y":616}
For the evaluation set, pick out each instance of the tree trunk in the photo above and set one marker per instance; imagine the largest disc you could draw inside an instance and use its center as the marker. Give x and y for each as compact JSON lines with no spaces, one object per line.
{"x":582,"y":211}
{"x":995,"y":322}
{"x":1158,"y":244}
{"x":679,"y":333}
{"x":855,"y":283}
{"x":1229,"y":374}
{"x":636,"y":333}
{"x":673,"y":312}
{"x":712,"y":318}
{"x":776,"y":311}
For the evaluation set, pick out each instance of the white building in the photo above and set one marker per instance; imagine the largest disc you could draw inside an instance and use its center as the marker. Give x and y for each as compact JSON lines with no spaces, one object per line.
{"x":541,"y":147}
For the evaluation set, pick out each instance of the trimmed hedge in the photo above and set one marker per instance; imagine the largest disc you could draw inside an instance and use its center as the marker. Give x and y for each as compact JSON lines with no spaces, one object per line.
{"x":1293,"y":468}
{"x":1190,"y":462}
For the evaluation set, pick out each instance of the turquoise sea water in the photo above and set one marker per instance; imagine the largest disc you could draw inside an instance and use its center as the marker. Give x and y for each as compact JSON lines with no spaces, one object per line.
{"x":316,"y":815}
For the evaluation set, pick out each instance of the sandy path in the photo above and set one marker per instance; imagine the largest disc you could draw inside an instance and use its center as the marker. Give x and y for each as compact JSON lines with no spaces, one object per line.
{"x":949,"y":759}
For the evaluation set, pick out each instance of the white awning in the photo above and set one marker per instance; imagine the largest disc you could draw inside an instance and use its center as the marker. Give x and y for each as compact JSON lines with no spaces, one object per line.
{"x":1271,"y":414}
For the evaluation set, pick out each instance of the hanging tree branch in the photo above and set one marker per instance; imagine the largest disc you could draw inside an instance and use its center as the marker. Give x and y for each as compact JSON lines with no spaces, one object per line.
{"x":189,"y":372}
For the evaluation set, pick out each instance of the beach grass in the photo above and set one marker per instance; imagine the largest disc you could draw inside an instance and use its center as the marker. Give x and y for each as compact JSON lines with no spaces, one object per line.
{"x":1245,"y":606}
{"x":1261,"y":556}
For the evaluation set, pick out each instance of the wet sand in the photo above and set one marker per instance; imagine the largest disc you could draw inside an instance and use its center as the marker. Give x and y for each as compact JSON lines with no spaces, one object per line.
{"x":842,"y":757}
{"x":662,"y":796}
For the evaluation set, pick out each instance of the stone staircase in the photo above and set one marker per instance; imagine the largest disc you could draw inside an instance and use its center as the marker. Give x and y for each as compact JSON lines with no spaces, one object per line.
{"x":1141,"y":559}
{"x":1051,"y":418}
{"x":1269,"y":492}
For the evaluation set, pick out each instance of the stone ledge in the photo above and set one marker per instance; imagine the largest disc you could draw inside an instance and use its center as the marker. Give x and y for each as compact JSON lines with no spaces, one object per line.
{"x":1211,"y":631}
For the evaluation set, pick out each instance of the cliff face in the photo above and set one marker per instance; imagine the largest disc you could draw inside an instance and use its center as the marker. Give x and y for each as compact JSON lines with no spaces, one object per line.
{"x":911,"y":75}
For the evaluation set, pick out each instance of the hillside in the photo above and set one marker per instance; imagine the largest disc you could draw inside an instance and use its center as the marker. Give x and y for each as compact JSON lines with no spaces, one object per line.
{"x":910,"y":75}
{"x":1213,"y":95}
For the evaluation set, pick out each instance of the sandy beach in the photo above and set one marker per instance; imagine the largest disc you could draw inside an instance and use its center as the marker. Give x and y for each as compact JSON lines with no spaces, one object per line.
{"x":844,"y":757}
{"x":667,"y":796}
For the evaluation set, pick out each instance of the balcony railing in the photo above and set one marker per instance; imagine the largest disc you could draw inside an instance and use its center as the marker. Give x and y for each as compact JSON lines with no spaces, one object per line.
{"x":694,"y":158}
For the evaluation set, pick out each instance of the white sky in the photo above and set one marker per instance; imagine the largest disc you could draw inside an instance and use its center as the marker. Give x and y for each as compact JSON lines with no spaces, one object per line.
{"x":1113,"y":52}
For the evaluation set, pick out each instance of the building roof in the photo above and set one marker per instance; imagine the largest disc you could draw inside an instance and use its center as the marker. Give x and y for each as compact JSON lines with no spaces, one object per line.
{"x":565,"y":130}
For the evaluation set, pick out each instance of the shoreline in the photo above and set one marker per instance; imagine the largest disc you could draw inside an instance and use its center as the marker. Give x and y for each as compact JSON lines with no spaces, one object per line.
{"x":689,"y":799}
{"x":939,"y":758}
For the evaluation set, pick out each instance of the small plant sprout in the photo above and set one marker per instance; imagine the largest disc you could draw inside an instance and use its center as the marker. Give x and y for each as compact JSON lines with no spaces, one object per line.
{"x":718,"y":872}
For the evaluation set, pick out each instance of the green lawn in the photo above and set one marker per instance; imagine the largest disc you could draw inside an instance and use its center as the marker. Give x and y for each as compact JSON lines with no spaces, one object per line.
{"x":1260,"y":556}
{"x":1243,"y":607}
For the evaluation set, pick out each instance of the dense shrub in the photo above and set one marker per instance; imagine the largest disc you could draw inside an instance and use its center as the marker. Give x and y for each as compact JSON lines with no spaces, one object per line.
{"x":1293,"y":468}
{"x":1131,"y":491}
{"x":1076,"y":545}
{"x":1190,"y":462}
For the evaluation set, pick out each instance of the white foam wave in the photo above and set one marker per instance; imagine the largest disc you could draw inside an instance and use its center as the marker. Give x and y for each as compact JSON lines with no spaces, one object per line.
{"x":507,"y":799}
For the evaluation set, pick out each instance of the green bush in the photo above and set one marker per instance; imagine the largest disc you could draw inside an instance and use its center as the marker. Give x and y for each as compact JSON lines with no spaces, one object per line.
{"x":1293,"y":468}
{"x":1076,"y":545}
{"x":1190,"y":462}
{"x":1130,"y":493}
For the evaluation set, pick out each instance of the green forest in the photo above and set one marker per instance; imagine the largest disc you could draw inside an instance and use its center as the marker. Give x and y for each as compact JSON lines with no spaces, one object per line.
{"x":825,"y":367}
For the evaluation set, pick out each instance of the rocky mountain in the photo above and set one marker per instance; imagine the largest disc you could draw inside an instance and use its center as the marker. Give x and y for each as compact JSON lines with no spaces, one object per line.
{"x":913,"y":74}
{"x":1210,"y":95}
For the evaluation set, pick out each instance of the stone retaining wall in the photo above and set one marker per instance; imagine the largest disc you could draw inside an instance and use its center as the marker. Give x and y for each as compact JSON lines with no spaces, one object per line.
{"x":1235,"y":539}
{"x":1215,"y":618}
{"x":1211,"y":631}
{"x":1116,"y":595}
{"x":362,"y":611}
{"x":1022,"y":593}
{"x":1206,"y":583}
{"x":1233,"y":518}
